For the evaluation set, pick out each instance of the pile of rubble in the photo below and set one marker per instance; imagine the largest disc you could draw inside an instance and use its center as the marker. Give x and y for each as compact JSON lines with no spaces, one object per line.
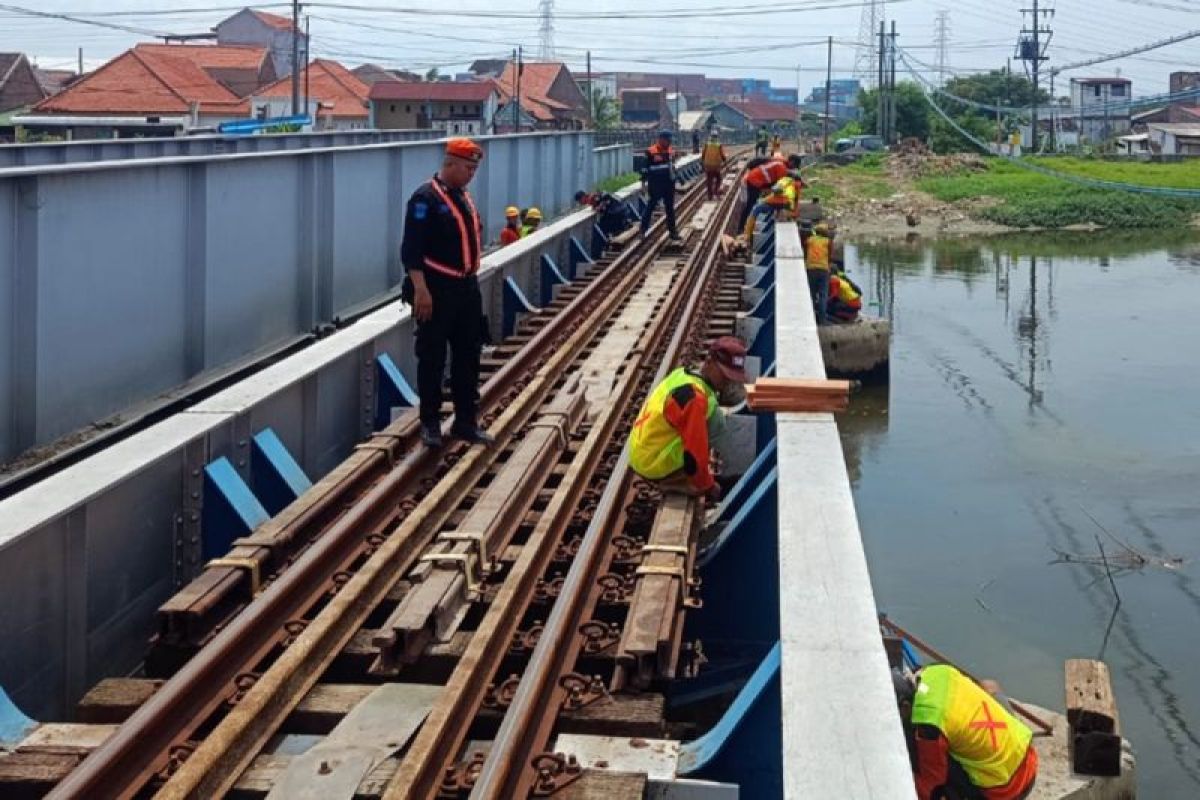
{"x":912,"y":160}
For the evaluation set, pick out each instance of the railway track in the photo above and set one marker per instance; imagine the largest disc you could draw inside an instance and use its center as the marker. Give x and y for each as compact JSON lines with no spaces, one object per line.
{"x":436,"y":618}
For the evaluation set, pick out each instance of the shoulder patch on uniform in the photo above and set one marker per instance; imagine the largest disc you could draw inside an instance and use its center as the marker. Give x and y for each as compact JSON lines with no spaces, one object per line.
{"x":443,"y":208}
{"x":420,"y":210}
{"x":683,"y":394}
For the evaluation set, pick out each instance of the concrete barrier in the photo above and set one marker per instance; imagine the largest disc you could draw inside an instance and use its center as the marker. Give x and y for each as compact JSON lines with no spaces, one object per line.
{"x":841,"y":728}
{"x":88,"y":554}
{"x":121,"y":280}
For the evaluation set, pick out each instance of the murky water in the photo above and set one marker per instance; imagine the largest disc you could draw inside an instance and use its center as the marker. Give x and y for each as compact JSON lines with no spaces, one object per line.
{"x":1039,"y":382}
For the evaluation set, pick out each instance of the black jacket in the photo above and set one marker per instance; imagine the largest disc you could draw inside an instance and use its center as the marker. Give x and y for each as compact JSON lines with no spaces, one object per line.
{"x":441,"y":231}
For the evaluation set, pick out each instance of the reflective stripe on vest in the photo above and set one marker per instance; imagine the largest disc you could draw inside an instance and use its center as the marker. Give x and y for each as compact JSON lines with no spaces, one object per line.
{"x":765,"y":175}
{"x":470,"y":265}
{"x":984,"y":738}
{"x":655,"y":447}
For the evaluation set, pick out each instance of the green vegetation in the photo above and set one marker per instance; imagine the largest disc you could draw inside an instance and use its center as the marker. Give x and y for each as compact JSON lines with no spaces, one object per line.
{"x":863,"y":178}
{"x":1030,"y":199}
{"x":617,"y":182}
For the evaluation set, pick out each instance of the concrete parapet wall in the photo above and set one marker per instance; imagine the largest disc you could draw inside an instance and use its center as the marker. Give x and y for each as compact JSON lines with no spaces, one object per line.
{"x":87,"y":555}
{"x":121,"y":280}
{"x":841,"y":728}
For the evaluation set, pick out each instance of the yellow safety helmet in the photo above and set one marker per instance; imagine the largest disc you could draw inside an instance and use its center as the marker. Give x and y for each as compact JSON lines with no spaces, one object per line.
{"x":512,"y":211}
{"x":533,"y":213}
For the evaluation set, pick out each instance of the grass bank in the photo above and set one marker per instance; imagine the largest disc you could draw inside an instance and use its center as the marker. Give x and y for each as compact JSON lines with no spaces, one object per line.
{"x":617,"y":182}
{"x":833,"y":185}
{"x":1029,"y":199}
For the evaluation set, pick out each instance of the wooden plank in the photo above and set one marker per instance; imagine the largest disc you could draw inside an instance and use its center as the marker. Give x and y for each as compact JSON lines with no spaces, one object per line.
{"x":112,"y":700}
{"x":1094,"y":736}
{"x":597,"y":784}
{"x":24,"y":776}
{"x":66,"y":737}
{"x":798,"y":395}
{"x":1091,"y":704}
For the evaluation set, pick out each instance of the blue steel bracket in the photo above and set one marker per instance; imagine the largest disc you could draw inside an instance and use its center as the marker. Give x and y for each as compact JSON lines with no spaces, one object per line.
{"x":746,"y":745}
{"x":765,"y":307}
{"x":767,"y":278}
{"x":599,"y":241}
{"x":276,"y":477}
{"x":515,"y":302}
{"x":231,"y":510}
{"x":740,"y":568}
{"x":579,"y":256}
{"x":551,"y":277}
{"x":736,"y":499}
{"x":14,"y":725}
{"x":764,"y":342}
{"x":394,"y":390}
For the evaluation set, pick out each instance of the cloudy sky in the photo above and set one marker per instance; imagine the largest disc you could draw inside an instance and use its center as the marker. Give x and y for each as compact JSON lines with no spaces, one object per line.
{"x":752,"y":38}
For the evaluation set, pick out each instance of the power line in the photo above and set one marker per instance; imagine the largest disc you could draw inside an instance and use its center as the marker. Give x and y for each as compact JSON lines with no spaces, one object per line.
{"x":81,"y":20}
{"x":628,"y":14}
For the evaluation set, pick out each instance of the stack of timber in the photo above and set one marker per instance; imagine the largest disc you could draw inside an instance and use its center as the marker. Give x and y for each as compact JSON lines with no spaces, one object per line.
{"x":778,"y":395}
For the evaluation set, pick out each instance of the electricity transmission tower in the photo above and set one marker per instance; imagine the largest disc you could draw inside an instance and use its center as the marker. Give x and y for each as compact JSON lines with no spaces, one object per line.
{"x":546,"y":30}
{"x":866,"y":61}
{"x":941,"y":34}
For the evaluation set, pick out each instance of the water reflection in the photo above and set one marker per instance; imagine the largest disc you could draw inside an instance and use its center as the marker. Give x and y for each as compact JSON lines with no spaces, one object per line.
{"x":1034,"y":375}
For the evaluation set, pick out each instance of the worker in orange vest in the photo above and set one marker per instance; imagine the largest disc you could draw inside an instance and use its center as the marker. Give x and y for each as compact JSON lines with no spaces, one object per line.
{"x":761,"y":175}
{"x":963,"y":741}
{"x":512,"y":226}
{"x":658,"y":180}
{"x":713,"y":160}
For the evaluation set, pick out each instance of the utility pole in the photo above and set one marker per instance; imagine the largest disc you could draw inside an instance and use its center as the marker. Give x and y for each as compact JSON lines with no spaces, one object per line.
{"x":892,"y":86}
{"x":295,"y":57}
{"x":81,"y":62}
{"x":880,"y":88}
{"x":1031,"y":48}
{"x":591,"y":91}
{"x":520,"y":69}
{"x":828,"y":87}
{"x":307,"y":71}
{"x":677,"y":127}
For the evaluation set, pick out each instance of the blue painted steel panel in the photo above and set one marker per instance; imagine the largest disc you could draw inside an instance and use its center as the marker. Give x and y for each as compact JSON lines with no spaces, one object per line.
{"x":277,"y":479}
{"x":230,"y":509}
{"x":763,"y":345}
{"x":746,"y":746}
{"x":765,"y":307}
{"x":394,"y":390}
{"x":578,"y":256}
{"x":14,"y":725}
{"x":737,"y":497}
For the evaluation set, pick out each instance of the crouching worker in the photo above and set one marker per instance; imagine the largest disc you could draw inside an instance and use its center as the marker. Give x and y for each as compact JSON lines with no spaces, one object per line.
{"x":845,"y":299}
{"x":671,"y":439}
{"x":963,"y":743}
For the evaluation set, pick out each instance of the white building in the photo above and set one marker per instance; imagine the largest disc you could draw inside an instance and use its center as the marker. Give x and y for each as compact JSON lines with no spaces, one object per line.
{"x":1175,"y":138}
{"x":1102,"y":108}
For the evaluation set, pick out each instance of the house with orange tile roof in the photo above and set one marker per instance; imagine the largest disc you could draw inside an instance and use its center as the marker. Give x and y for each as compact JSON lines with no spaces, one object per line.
{"x":261,"y":29}
{"x":159,"y":89}
{"x":549,"y":98}
{"x":338,"y":99}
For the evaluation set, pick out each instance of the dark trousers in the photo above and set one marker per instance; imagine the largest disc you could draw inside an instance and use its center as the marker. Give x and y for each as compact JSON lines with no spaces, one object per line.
{"x":712,"y":183}
{"x":666,"y":194}
{"x":748,"y":203}
{"x":457,"y":322}
{"x":818,"y":287}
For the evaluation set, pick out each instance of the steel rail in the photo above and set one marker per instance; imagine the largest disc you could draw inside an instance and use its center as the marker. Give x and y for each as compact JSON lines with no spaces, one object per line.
{"x":507,"y":771}
{"x":125,"y":763}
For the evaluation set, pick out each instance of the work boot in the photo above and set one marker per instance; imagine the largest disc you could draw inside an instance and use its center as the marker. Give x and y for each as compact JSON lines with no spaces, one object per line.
{"x":473,"y":435}
{"x":431,"y":437}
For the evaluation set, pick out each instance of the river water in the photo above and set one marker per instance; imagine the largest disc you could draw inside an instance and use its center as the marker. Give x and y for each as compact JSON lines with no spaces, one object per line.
{"x":1044,"y":400}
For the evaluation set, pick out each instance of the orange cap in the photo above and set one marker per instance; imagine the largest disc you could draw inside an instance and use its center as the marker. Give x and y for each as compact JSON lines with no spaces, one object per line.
{"x":464,"y":148}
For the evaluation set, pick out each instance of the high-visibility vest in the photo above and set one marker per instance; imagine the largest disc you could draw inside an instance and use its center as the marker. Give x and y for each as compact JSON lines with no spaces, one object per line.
{"x":983,"y":737}
{"x":765,"y":175}
{"x":527,"y":229}
{"x":816,"y":252}
{"x":469,"y":236}
{"x":843,"y":290}
{"x":655,"y":447}
{"x":713,"y":156}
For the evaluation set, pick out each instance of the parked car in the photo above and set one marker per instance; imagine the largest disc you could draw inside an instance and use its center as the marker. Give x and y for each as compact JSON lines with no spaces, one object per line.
{"x":870,"y":144}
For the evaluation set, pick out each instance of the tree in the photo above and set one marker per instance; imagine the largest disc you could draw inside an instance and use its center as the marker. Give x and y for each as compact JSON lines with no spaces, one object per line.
{"x":996,"y":88}
{"x":606,"y":111}
{"x":912,"y":110}
{"x":432,"y":74}
{"x":944,"y":138}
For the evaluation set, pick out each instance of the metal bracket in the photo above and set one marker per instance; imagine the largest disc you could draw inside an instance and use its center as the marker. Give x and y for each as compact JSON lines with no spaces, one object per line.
{"x":681,"y":549}
{"x":241,"y":562}
{"x":674,"y":572}
{"x":380,"y":448}
{"x":468,"y":563}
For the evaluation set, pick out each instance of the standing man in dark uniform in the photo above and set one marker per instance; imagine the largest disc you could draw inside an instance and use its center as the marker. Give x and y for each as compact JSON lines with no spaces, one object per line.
{"x":440,"y":251}
{"x":658,"y":179}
